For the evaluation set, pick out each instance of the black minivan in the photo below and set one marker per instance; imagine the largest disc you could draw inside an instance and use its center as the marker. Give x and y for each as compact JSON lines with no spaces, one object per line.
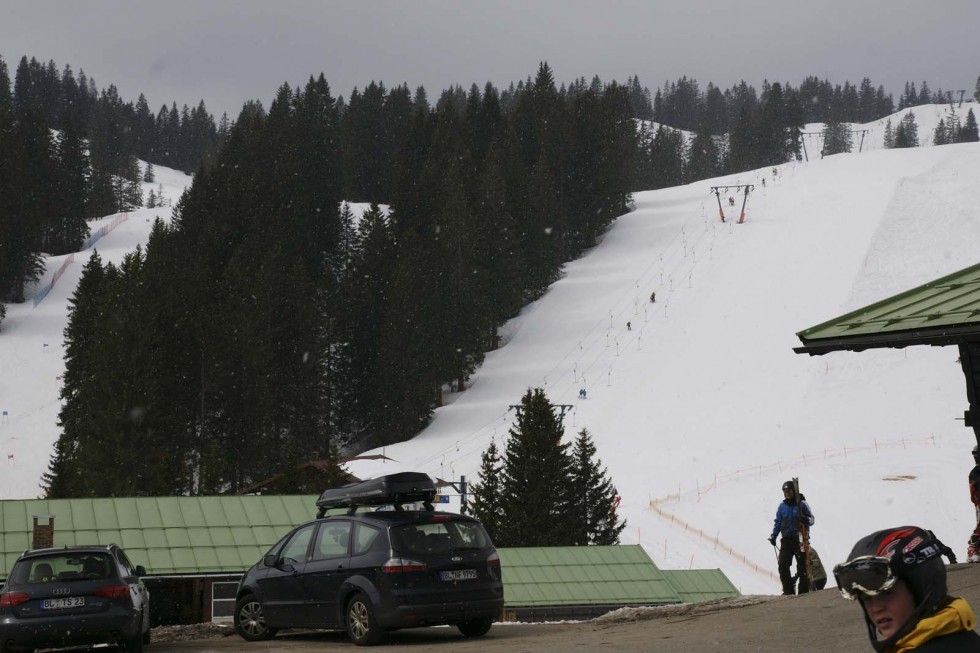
{"x":370,"y":572}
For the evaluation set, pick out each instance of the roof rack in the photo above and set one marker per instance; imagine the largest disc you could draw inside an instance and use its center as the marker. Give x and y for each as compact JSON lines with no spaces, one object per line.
{"x":392,"y":489}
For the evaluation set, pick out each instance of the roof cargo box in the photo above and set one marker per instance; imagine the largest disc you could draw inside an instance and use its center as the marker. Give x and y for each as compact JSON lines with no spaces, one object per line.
{"x":393,"y":489}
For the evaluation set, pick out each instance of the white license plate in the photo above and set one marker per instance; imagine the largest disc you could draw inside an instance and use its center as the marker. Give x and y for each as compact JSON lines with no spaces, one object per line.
{"x":459,"y":574}
{"x":60,"y":604}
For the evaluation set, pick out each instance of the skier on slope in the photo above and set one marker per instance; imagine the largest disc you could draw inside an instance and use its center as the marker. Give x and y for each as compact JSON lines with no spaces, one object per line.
{"x":788,"y":523}
{"x":973,"y":548}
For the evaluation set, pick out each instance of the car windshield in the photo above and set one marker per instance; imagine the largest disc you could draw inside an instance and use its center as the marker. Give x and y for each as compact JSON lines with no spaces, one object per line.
{"x":61,"y":567}
{"x":439,"y":537}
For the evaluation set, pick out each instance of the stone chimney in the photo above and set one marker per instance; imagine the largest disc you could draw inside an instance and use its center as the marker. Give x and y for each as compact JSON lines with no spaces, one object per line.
{"x":43,"y":533}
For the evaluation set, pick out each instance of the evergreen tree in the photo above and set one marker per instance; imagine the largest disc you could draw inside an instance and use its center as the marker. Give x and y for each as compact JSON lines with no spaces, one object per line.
{"x":940,"y":135}
{"x":69,"y":229}
{"x":667,"y":158}
{"x":149,"y":176}
{"x":976,"y":90}
{"x":889,"y":138}
{"x":836,"y":137}
{"x":593,"y":499}
{"x":65,"y":476}
{"x":486,"y":493}
{"x":925,"y":96}
{"x":907,"y":132}
{"x":702,"y":157}
{"x":968,"y":133}
{"x":534,"y":479}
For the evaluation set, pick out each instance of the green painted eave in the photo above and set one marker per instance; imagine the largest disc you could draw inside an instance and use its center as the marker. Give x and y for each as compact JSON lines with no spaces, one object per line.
{"x":600,"y":575}
{"x":942,"y":312}
{"x":167,"y":535}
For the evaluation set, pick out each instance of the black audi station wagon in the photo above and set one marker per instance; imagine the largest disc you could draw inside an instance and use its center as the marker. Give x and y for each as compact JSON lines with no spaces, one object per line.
{"x":368,"y":572}
{"x":74,"y":595}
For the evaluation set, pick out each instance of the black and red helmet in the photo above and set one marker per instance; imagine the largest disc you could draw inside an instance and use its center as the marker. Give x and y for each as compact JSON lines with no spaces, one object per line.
{"x":909,"y":553}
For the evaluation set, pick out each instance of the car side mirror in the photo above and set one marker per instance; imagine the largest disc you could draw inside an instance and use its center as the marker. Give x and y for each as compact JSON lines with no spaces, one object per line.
{"x":269,"y":560}
{"x":140,"y":570}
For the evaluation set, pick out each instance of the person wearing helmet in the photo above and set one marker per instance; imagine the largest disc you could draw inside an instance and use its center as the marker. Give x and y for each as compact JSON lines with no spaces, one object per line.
{"x":973,"y":546}
{"x":789,"y":523}
{"x":898,"y":577}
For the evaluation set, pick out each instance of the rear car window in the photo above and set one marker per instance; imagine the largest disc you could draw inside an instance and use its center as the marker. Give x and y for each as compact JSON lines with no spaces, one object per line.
{"x":439,"y":537}
{"x":62,"y":567}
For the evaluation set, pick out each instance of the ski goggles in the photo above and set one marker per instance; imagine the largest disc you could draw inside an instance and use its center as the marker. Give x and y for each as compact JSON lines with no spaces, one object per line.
{"x":868,"y":575}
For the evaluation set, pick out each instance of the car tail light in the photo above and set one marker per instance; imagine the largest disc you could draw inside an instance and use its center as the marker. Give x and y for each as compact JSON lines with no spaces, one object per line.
{"x":493,"y":560}
{"x":441,"y":518}
{"x":10,"y":599}
{"x":399,"y":565}
{"x":113,"y":591}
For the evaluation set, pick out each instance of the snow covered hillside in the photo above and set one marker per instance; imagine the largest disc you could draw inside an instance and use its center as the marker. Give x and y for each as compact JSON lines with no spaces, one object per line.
{"x":700,"y":409}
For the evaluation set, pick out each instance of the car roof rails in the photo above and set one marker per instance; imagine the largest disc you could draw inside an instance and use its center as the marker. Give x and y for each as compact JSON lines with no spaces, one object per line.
{"x":392,"y":489}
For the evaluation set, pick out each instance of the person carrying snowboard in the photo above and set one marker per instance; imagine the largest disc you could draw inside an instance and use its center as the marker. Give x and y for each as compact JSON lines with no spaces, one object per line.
{"x":792,"y":516}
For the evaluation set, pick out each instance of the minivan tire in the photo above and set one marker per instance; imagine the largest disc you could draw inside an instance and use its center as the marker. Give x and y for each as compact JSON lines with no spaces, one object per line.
{"x":475,"y":627}
{"x":362,"y":629}
{"x":249,"y":620}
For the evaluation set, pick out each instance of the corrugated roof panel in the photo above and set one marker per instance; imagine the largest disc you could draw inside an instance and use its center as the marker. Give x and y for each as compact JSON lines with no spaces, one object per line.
{"x":16,"y":542}
{"x":80,"y":537}
{"x":297,"y":509}
{"x":149,"y":514}
{"x":205,"y":558}
{"x":235,"y":513}
{"x":176,"y":537}
{"x":170,"y":511}
{"x":221,"y":536}
{"x":267,"y":535}
{"x":155,"y":538}
{"x":251,"y":554}
{"x":701,"y":584}
{"x":132,"y":538}
{"x":582,"y":575}
{"x":200,"y":537}
{"x":127,"y":513}
{"x":193,"y":512}
{"x":184,"y":559}
{"x":105,"y":514}
{"x":156,"y":561}
{"x":228,"y":558}
{"x":82,"y":514}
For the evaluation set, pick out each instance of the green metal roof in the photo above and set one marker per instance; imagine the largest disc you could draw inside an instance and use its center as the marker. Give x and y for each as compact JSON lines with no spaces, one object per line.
{"x":942,"y":312}
{"x":195,"y":535}
{"x":695,"y":585}
{"x":167,"y":535}
{"x":600,"y":575}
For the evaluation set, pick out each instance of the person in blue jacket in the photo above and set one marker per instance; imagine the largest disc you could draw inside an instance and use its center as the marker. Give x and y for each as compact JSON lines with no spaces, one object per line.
{"x":787,"y":524}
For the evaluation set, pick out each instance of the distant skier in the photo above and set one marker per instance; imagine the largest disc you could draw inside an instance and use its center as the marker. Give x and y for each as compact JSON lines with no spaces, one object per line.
{"x":629,"y":327}
{"x":582,"y":393}
{"x":973,"y":548}
{"x":788,"y":524}
{"x":731,"y":201}
{"x":653,"y":298}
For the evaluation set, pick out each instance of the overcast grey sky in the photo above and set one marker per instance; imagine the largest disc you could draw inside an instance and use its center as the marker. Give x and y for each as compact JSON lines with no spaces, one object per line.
{"x":229,"y":51}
